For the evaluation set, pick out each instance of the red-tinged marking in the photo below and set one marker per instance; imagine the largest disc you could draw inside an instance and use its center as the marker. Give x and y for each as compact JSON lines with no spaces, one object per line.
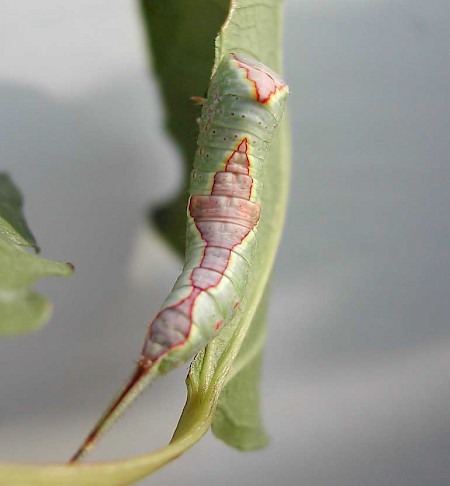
{"x":264,"y":83}
{"x":236,"y":305}
{"x":190,"y":300}
{"x":218,"y":324}
{"x":238,"y":163}
{"x":241,"y":150}
{"x":234,"y":164}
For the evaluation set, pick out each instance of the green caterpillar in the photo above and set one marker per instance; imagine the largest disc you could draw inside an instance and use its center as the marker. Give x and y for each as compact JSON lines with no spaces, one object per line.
{"x":243,"y":108}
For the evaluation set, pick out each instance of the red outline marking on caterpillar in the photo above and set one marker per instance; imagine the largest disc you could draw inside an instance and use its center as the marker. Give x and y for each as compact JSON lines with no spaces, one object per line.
{"x":265,"y":84}
{"x":196,"y":291}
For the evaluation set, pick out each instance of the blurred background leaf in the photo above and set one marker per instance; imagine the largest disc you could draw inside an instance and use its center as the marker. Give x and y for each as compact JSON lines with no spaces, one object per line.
{"x":13,"y":225}
{"x":21,"y":309}
{"x":180,"y":38}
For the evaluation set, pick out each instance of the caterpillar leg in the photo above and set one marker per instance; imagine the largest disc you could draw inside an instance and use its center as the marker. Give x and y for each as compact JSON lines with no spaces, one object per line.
{"x":198,"y":100}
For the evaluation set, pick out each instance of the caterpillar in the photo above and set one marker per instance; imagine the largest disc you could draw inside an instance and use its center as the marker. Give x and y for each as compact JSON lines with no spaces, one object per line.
{"x":244,"y":105}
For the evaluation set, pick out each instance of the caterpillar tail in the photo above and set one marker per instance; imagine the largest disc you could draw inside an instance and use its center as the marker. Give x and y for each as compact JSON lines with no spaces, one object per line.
{"x":143,"y":375}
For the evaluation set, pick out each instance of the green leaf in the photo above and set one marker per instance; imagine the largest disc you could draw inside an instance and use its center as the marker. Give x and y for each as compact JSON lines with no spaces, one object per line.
{"x":21,"y":309}
{"x":237,"y":419}
{"x":12,"y":222}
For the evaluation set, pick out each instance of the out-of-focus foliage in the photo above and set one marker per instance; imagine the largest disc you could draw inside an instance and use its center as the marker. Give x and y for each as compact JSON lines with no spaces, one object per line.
{"x":21,"y":309}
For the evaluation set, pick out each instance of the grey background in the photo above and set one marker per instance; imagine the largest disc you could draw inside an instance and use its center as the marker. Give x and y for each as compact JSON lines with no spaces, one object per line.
{"x":356,"y":380}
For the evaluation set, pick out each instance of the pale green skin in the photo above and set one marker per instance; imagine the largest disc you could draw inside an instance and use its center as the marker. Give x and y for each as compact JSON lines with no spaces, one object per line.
{"x":230,"y":114}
